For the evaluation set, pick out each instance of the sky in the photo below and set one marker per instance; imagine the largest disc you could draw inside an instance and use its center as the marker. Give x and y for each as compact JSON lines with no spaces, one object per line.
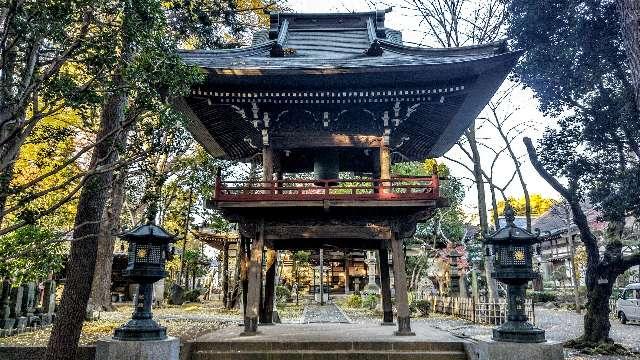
{"x":522,"y":103}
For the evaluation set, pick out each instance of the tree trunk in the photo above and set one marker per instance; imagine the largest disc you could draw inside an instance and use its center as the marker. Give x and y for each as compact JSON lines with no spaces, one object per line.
{"x":596,"y":318}
{"x":574,"y":274}
{"x":494,"y":206}
{"x":600,"y":274}
{"x":63,"y":342}
{"x":630,"y":23}
{"x":187,"y":220}
{"x":101,"y":288}
{"x":492,"y":293}
{"x":5,"y":180}
{"x":8,"y":154}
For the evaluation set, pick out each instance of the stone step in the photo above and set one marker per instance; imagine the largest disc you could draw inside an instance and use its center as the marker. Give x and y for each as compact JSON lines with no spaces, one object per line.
{"x":328,"y":355}
{"x":395,"y":346}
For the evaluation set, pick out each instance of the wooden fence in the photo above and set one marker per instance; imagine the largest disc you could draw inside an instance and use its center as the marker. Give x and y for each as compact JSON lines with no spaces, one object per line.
{"x":481,"y":312}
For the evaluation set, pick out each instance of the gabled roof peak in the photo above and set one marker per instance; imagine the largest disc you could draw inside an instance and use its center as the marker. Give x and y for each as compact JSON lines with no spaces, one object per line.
{"x":280,"y":21}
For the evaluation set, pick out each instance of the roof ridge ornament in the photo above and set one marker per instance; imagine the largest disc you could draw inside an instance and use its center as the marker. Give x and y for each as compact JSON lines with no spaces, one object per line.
{"x":278,"y":50}
{"x":375,"y":49}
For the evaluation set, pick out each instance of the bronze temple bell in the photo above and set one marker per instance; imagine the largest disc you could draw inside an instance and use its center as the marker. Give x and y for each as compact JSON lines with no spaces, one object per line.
{"x":326,"y":166}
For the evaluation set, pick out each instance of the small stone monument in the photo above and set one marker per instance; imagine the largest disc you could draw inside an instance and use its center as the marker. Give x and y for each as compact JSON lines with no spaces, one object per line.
{"x":15,"y":308}
{"x":176,"y":294}
{"x":28,"y":301}
{"x":49,"y":302}
{"x":454,"y":274}
{"x":372,"y":287}
{"x":6,"y":321}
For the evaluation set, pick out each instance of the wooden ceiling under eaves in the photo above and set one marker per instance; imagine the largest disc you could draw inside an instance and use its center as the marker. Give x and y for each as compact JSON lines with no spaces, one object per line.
{"x":344,"y":78}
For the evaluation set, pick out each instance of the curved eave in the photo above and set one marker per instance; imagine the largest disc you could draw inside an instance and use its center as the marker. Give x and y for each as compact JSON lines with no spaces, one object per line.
{"x":367,"y":72}
{"x":487,"y":84}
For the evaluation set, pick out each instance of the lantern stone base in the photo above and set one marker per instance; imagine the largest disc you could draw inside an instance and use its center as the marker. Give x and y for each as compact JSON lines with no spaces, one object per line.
{"x":484,"y":348}
{"x":519,"y":332}
{"x":112,"y":349}
{"x":140,"y":330}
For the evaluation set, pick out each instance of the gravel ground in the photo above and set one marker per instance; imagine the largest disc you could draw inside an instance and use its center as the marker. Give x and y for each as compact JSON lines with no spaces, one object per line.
{"x":186,"y":322}
{"x":560,"y":325}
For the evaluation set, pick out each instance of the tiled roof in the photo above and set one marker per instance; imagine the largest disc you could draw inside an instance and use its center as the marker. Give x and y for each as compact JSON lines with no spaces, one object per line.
{"x":559,"y":217}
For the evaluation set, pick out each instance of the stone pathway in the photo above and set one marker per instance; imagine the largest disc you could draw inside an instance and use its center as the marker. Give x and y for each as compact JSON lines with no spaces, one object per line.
{"x":328,"y":313}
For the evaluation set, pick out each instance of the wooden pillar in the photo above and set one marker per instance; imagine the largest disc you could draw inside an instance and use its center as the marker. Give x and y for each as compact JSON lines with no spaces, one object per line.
{"x":225,"y":274}
{"x":400,"y":275}
{"x":253,"y":294}
{"x":346,"y":271}
{"x":266,"y":317}
{"x":321,"y":276}
{"x":244,"y":250}
{"x":385,"y":287}
{"x":375,"y":169}
{"x":385,"y":167}
{"x":267,"y":163}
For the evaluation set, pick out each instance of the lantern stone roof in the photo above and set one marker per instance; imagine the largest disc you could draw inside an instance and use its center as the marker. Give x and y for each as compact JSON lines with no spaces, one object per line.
{"x":339,"y":73}
{"x":511,"y":232}
{"x":148,"y":231}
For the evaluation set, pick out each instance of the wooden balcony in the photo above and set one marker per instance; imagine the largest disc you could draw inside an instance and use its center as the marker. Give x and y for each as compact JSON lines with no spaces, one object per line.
{"x":295,"y":192}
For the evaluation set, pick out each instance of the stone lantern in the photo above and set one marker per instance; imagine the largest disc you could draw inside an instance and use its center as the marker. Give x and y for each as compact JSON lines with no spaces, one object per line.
{"x":148,"y":250}
{"x":513,"y":250}
{"x":454,"y":286}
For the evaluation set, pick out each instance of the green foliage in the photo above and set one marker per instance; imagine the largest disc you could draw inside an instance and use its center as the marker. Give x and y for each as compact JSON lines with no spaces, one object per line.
{"x":282,"y":294}
{"x":31,"y":253}
{"x":192,"y":295}
{"x":370,"y":301}
{"x":447,"y":224}
{"x":196,"y":261}
{"x":423,"y":307}
{"x":353,"y":301}
{"x":542,"y":296}
{"x":586,"y":84}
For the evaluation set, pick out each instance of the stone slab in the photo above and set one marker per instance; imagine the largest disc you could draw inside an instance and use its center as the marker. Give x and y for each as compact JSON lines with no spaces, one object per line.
{"x":39,"y":352}
{"x":484,"y":348}
{"x":112,"y":349}
{"x":330,"y":332}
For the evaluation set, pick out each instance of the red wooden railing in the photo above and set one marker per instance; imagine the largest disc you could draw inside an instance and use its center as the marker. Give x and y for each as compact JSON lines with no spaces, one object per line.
{"x":409,"y":188}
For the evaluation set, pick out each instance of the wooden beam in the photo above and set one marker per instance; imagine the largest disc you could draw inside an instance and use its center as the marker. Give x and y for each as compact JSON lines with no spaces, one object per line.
{"x":288,"y":141}
{"x":326,"y":203}
{"x":281,"y":232}
{"x":314,"y":244}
